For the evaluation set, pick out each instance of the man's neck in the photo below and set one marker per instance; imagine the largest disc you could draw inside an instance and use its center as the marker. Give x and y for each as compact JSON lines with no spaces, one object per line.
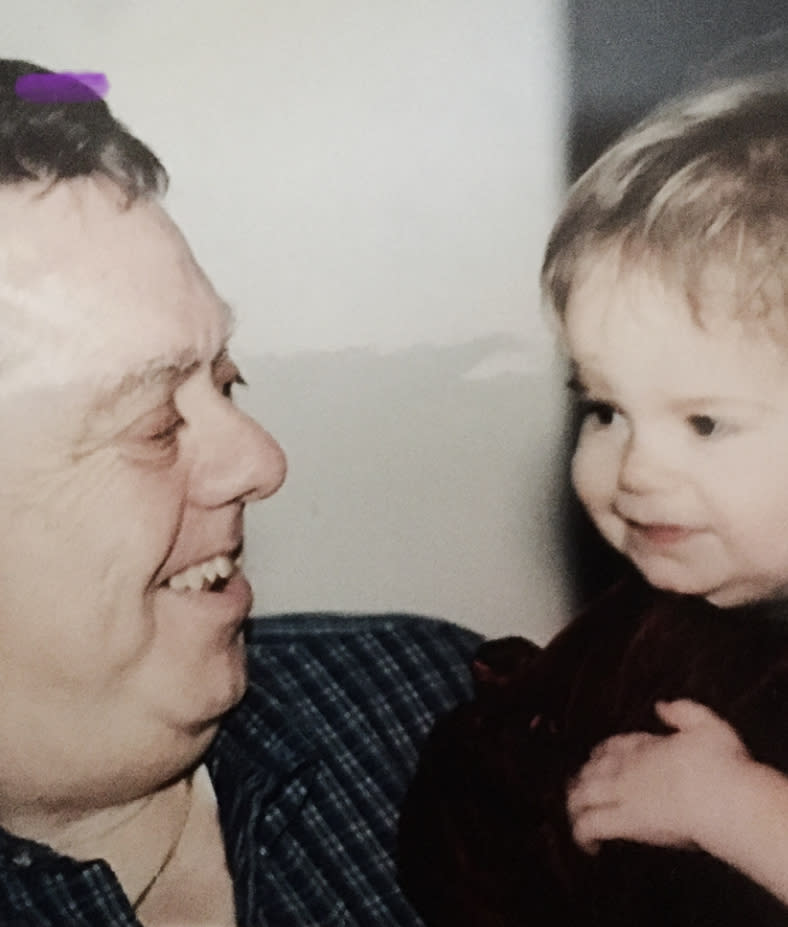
{"x":134,"y":837}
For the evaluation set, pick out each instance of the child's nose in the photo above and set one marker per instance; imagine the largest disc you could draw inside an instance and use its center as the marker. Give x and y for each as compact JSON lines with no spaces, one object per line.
{"x":643,"y":466}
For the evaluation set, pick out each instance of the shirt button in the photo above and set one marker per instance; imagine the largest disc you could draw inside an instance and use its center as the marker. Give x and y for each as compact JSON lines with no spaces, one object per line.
{"x":23,"y":859}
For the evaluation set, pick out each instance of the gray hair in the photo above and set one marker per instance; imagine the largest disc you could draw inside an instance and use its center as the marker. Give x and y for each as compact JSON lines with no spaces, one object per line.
{"x":59,"y":141}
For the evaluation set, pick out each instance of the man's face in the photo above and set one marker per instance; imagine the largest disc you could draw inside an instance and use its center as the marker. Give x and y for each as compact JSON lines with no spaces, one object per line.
{"x":681,"y":456}
{"x":123,"y":463}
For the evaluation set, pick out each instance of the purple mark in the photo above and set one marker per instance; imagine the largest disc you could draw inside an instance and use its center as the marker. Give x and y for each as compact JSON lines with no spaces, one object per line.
{"x":64,"y":87}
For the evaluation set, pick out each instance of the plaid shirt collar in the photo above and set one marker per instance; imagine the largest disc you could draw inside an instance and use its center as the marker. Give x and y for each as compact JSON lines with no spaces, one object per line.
{"x":262,"y":767}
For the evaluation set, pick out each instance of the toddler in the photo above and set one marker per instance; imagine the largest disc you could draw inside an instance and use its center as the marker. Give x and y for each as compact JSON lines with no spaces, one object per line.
{"x":637,"y":766}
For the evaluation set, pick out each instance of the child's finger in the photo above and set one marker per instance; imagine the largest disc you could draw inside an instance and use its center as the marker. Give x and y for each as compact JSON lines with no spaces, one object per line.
{"x":590,"y":791}
{"x":604,"y":764}
{"x":684,"y":714}
{"x":596,"y":824}
{"x":609,"y":759}
{"x":620,"y":745}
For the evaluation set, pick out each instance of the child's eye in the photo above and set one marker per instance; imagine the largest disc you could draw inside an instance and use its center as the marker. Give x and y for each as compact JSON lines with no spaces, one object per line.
{"x":601,"y":413}
{"x":704,"y":425}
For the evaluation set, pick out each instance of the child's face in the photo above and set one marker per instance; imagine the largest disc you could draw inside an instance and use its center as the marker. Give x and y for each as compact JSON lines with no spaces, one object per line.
{"x":682,"y":459}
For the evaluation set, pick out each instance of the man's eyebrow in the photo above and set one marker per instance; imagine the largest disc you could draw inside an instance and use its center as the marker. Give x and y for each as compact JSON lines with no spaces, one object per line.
{"x":168,"y":372}
{"x":156,"y":372}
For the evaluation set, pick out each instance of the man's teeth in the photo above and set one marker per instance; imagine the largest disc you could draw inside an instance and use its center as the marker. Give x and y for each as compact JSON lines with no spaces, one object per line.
{"x":203,"y":575}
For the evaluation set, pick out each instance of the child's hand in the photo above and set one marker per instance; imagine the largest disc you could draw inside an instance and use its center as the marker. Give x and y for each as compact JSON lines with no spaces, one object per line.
{"x":665,"y":790}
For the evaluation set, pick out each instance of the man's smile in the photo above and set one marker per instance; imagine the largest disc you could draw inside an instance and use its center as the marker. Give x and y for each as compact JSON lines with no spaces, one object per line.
{"x":211,"y":574}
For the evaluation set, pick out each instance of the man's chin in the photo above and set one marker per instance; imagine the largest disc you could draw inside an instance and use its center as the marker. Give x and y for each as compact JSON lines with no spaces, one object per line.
{"x":232,"y":687}
{"x":220,"y":687}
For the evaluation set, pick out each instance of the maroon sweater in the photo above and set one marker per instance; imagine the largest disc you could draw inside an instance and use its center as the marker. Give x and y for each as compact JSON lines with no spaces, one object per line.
{"x":484,"y":836}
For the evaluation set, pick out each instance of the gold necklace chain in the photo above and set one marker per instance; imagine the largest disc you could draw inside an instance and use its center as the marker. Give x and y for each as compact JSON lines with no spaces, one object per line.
{"x":168,"y":856}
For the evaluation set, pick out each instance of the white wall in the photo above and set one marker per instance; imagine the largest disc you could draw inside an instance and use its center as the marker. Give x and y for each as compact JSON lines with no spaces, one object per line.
{"x":369,"y":183}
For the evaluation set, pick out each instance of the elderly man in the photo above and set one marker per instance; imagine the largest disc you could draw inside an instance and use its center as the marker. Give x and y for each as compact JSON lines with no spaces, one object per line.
{"x":163,"y":760}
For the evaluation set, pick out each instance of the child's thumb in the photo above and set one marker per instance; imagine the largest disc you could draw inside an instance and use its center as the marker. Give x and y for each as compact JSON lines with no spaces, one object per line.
{"x":684,"y":714}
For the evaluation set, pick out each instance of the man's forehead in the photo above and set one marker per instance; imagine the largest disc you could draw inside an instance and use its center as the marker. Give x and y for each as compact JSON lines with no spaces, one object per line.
{"x":117,"y":300}
{"x":42,"y":214}
{"x":83,"y":228}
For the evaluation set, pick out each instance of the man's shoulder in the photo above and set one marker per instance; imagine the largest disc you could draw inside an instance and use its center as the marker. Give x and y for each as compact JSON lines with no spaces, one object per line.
{"x":295,"y":629}
{"x":406,"y":666}
{"x":337,"y":709}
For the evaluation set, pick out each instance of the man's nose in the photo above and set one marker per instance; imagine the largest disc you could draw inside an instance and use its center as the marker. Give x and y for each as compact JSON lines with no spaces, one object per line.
{"x":238,"y":461}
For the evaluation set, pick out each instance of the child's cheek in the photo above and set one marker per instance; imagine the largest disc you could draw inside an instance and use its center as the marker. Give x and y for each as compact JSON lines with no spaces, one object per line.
{"x":591,"y":471}
{"x":594,"y":476}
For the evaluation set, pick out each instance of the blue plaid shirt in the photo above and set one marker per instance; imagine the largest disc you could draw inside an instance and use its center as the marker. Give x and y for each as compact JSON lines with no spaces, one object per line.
{"x":309,"y":771}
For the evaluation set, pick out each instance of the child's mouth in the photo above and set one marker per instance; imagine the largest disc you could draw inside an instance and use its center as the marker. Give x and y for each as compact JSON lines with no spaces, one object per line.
{"x":662,"y":534}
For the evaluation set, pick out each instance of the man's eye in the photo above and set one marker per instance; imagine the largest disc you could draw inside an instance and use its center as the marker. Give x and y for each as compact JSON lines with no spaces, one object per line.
{"x":601,"y":413}
{"x":166,"y":437}
{"x":227,"y":387}
{"x":703,"y":425}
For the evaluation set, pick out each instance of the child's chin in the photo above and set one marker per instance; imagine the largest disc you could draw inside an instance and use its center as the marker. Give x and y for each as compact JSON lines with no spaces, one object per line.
{"x":722,"y":596}
{"x":671,"y":581}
